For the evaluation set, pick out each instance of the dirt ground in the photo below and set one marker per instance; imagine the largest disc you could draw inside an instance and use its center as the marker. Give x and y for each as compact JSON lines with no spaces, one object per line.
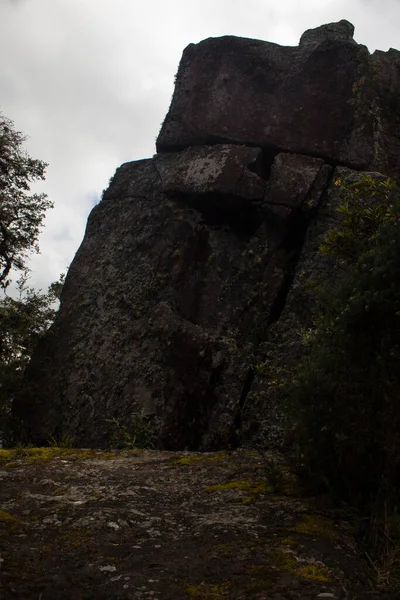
{"x":151,"y":525}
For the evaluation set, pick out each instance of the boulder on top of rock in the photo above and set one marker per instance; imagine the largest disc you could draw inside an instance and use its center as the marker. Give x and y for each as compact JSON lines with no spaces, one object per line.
{"x":385,"y":67}
{"x":320,"y":98}
{"x":217,"y":181}
{"x":343,"y":30}
{"x":219,"y":169}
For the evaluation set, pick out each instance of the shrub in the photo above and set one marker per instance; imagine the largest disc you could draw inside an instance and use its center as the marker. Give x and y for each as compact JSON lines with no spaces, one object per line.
{"x":345,"y":391}
{"x":23,"y":322}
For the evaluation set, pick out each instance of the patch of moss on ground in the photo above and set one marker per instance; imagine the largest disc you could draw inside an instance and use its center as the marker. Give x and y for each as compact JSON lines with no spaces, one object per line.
{"x":316,"y":526}
{"x":188,"y":460}
{"x":133,"y":452}
{"x":45,"y":454}
{"x":262,"y":577}
{"x":90,"y":454}
{"x":76,"y":538}
{"x":6,"y":517}
{"x":4,"y":456}
{"x":248,"y":500}
{"x":252,"y":453}
{"x":314,"y":572}
{"x":288,"y":541}
{"x":218,"y":591}
{"x":8,"y":522}
{"x":253,"y":489}
{"x":288,"y":562}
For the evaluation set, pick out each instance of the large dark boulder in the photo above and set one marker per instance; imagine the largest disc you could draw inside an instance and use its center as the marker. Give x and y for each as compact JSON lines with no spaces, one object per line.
{"x":167,"y":300}
{"x":326,"y":98}
{"x":194,"y":266}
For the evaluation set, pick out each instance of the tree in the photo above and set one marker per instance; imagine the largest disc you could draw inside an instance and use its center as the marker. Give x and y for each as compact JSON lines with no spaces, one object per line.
{"x":24,"y":319}
{"x":21,"y":213}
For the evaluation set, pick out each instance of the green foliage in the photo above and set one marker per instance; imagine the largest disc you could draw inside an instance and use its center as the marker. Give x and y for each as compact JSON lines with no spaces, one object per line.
{"x":65,"y":441}
{"x":345,"y":391}
{"x":139,"y":432}
{"x":23,"y":321}
{"x":366,"y":205}
{"x":21,"y":213}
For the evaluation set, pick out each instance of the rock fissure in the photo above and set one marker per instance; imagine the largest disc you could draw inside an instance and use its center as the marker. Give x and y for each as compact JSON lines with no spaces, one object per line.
{"x":298,"y":225}
{"x":295,"y":242}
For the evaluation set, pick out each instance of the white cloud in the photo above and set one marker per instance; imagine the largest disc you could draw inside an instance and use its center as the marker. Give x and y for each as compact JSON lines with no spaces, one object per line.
{"x":90,"y":82}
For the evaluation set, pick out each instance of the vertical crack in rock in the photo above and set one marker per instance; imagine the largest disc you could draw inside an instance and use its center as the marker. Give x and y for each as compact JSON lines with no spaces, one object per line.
{"x":305,"y":209}
{"x":297,"y":229}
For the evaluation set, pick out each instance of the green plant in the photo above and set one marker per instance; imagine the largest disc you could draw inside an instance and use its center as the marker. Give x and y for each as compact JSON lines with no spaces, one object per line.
{"x":343,"y":396}
{"x":344,"y":391}
{"x":139,"y":432}
{"x":23,"y":321}
{"x":25,"y":317}
{"x":66,"y":441}
{"x":366,"y":205}
{"x":21,"y":213}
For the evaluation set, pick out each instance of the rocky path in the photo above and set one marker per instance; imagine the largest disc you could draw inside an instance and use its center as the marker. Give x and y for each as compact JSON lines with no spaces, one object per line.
{"x":149,"y":525}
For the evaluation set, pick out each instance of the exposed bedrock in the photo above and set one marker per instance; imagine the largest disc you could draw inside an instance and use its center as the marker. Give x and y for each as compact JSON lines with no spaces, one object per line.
{"x":191,"y":271}
{"x":327,"y":97}
{"x":167,"y":299}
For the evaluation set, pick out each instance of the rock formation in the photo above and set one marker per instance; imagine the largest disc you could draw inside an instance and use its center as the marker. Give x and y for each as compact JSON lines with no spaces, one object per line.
{"x":192,"y":266}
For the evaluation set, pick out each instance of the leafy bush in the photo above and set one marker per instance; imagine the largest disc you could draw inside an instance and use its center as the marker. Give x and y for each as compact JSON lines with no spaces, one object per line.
{"x":23,"y":321}
{"x":366,"y":205}
{"x":345,"y":392}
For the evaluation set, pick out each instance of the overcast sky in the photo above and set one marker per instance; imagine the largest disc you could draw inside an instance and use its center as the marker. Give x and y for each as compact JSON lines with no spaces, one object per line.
{"x":90,"y":82}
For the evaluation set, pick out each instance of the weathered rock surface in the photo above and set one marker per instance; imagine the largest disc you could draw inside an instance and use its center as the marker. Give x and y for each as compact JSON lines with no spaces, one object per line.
{"x":327,"y":98}
{"x":220,"y":169}
{"x":192,"y":267}
{"x":295,"y":180}
{"x":165,"y":305}
{"x":134,"y":525}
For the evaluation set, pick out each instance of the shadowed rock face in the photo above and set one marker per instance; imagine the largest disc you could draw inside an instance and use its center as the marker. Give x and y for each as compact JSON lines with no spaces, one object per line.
{"x":188,"y":274}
